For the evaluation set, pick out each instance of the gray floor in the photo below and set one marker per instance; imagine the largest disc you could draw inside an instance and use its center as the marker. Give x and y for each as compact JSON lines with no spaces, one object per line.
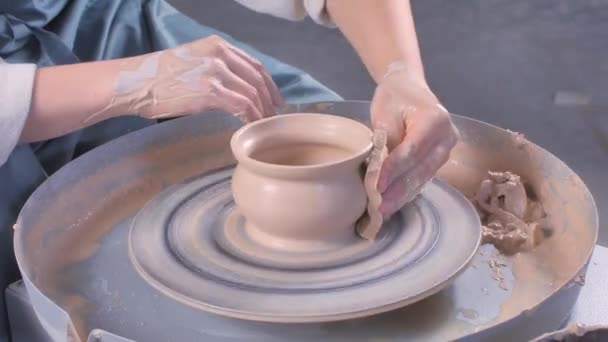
{"x":500,"y":61}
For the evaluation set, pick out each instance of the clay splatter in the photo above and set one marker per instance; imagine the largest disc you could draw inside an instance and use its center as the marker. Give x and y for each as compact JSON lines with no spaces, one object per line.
{"x":497,"y":273}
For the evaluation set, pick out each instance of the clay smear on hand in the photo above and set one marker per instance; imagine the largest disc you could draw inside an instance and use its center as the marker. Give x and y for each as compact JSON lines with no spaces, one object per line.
{"x":369,"y":225}
{"x":160,"y":79}
{"x":188,"y":79}
{"x":511,"y":220}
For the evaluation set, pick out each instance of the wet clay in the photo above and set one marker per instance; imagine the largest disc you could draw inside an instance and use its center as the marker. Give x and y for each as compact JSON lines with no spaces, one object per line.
{"x":540,"y":272}
{"x":511,"y":220}
{"x":298,"y":182}
{"x":369,"y":225}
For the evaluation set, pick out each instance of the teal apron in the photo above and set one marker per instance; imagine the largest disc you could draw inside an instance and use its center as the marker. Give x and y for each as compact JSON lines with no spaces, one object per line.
{"x":53,"y":32}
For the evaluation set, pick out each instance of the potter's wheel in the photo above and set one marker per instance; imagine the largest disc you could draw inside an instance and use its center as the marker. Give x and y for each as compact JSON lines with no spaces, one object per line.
{"x":192,"y":243}
{"x":72,"y":245}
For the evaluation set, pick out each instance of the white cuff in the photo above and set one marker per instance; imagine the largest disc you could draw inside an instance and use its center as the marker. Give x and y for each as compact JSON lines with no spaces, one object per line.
{"x":291,"y":9}
{"x":317,"y":11}
{"x":16,"y":84}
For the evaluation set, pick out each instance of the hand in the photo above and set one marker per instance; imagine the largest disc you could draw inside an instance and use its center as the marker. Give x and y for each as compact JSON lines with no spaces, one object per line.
{"x":420,"y":136}
{"x":207,"y":74}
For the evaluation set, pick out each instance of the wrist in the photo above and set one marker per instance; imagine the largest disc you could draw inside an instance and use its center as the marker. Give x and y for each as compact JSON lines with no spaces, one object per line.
{"x":400,"y":66}
{"x":401,"y":78}
{"x":124,"y":87}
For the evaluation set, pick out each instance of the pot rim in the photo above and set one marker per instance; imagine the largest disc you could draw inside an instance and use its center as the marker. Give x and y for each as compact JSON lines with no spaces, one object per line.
{"x":243,"y":155}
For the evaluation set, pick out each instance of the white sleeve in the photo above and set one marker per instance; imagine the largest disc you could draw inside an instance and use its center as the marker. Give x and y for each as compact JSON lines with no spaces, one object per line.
{"x":292,"y":9}
{"x":16,"y":84}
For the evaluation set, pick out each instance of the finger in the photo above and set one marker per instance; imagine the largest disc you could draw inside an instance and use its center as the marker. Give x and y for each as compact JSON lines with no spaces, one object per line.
{"x":423,"y":135}
{"x":275,"y":94}
{"x":405,"y":156}
{"x":247,"y":72}
{"x":232,"y":102}
{"x":233,"y":82}
{"x":405,"y":188}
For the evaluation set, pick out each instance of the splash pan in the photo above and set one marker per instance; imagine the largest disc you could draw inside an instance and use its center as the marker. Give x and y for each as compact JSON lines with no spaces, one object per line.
{"x":73,"y":249}
{"x":191,"y":243}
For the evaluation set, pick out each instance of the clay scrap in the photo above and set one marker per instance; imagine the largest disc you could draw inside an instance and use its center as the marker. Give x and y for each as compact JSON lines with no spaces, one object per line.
{"x":511,"y":219}
{"x":370,"y":223}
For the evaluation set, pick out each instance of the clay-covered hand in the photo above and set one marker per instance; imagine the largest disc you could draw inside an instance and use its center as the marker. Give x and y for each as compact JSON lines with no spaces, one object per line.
{"x":420,"y":136}
{"x":207,"y":74}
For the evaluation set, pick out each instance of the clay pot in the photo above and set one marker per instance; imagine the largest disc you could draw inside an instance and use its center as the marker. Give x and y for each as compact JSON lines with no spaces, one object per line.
{"x":299,"y":179}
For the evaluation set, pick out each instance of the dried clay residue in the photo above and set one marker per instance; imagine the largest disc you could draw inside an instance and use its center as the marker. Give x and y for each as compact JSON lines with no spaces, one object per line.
{"x":512,"y":219}
{"x":497,"y":274}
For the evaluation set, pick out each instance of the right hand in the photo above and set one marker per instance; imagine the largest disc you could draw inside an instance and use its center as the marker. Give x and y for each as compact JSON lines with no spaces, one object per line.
{"x":207,"y":74}
{"x":420,"y":135}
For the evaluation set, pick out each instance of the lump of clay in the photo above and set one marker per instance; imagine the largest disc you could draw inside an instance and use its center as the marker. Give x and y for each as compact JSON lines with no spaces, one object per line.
{"x":511,"y":221}
{"x":370,"y":223}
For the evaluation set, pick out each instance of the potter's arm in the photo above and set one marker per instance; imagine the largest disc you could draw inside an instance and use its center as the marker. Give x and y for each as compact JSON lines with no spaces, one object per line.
{"x":206,"y":74}
{"x":64,"y":96}
{"x":382,"y":32}
{"x":419,"y":130}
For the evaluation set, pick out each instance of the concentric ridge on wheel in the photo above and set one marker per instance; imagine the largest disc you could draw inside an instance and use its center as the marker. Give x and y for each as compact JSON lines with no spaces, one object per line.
{"x":191,"y":242}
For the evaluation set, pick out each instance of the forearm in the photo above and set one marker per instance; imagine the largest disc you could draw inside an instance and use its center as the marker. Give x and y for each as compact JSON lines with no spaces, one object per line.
{"x":381,"y":32}
{"x":65,"y":97}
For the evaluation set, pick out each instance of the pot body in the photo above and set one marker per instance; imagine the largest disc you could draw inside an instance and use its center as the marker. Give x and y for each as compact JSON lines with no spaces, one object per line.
{"x":319,"y":208}
{"x":299,"y":178}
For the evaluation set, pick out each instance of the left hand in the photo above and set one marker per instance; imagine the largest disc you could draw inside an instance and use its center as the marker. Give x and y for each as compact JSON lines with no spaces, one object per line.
{"x":420,"y":136}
